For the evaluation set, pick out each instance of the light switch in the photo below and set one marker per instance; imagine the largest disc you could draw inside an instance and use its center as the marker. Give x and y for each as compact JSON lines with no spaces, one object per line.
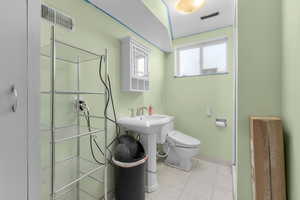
{"x":209,"y":111}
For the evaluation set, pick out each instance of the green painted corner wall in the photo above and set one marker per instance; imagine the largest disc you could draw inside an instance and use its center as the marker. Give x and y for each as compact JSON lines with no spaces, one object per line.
{"x":93,"y":31}
{"x":291,"y":93}
{"x":106,"y":33}
{"x":259,"y":75}
{"x":259,"y":90}
{"x":189,"y":98}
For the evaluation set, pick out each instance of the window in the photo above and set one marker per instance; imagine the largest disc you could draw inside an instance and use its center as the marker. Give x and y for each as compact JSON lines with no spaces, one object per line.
{"x":202,"y":59}
{"x":190,"y":59}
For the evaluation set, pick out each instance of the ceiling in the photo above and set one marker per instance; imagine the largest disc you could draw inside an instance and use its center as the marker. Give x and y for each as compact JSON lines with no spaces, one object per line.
{"x":138,"y":18}
{"x":189,"y":24}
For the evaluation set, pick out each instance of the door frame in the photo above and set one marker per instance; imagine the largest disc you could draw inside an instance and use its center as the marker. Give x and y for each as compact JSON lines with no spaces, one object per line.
{"x":33,"y":95}
{"x":235,"y":129}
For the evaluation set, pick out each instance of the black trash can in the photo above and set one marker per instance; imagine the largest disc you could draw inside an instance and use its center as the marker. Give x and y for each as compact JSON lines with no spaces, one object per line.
{"x":129,"y":161}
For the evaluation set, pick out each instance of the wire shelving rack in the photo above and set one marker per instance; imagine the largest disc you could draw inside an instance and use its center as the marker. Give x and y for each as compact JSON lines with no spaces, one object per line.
{"x":58,"y":190}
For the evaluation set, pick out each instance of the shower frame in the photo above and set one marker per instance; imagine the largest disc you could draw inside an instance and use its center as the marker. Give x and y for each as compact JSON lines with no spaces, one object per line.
{"x":53,"y":92}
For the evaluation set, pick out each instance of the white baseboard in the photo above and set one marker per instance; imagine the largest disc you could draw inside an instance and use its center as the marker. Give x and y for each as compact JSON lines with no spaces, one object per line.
{"x":212,"y":160}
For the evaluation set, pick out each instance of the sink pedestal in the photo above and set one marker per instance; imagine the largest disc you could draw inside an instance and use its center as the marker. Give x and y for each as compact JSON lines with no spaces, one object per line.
{"x":150,"y":128}
{"x":149,"y":143}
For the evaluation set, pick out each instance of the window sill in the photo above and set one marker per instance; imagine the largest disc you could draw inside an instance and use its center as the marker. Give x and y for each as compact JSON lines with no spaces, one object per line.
{"x":207,"y":74}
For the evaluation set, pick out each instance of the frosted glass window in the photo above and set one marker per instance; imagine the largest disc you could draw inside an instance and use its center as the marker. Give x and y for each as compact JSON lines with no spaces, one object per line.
{"x":202,"y":59}
{"x":215,"y":57}
{"x":189,"y":62}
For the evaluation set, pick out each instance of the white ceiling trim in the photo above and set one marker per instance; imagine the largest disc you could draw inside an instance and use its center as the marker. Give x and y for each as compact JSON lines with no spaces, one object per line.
{"x":169,"y":18}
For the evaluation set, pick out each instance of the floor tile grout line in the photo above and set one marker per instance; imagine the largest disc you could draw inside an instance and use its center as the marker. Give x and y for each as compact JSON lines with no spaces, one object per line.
{"x":225,"y":176}
{"x":217,"y":174}
{"x":214,"y":184}
{"x":186,"y":183}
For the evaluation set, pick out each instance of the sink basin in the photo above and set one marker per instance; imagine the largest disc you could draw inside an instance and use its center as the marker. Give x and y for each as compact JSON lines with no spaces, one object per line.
{"x":145,"y":124}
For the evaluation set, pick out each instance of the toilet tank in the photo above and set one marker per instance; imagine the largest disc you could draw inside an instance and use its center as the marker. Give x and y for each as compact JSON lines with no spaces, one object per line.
{"x":163,"y":132}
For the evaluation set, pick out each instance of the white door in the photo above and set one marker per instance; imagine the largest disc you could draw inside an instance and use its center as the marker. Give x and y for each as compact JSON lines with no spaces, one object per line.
{"x":13,"y":124}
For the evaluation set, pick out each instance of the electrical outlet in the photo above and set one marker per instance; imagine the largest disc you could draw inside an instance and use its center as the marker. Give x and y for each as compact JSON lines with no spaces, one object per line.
{"x":209,"y":111}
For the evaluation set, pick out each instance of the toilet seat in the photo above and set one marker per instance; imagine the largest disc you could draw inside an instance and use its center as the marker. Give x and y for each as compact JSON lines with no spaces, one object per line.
{"x":183,"y":140}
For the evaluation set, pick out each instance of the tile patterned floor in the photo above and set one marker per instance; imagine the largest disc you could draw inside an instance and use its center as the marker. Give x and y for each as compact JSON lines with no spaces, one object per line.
{"x":206,"y":181}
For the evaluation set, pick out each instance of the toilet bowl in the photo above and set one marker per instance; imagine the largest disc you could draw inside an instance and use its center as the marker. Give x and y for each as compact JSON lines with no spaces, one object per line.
{"x":181,"y":149}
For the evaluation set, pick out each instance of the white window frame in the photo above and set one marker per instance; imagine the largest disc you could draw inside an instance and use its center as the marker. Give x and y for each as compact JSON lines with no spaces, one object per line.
{"x":200,"y":45}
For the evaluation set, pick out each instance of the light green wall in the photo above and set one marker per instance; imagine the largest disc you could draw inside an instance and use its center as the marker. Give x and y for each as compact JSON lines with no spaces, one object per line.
{"x":189,"y":98}
{"x":94,"y":31}
{"x":259,"y":75}
{"x":291,"y":92}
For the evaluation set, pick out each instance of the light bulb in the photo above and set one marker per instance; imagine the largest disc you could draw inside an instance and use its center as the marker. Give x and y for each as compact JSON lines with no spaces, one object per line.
{"x":189,"y":6}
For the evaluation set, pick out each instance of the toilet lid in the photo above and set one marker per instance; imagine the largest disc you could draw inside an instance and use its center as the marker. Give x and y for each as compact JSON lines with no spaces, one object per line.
{"x":183,"y":140}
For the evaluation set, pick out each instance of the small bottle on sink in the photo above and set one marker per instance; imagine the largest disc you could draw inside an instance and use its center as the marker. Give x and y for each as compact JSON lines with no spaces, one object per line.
{"x":150,"y":110}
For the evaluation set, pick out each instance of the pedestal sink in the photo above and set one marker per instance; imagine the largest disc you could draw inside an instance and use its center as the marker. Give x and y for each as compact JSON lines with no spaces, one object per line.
{"x":148,"y":127}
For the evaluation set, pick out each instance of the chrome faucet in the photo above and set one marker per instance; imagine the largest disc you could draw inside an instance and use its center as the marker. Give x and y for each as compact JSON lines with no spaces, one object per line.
{"x":131,"y":112}
{"x":140,"y":110}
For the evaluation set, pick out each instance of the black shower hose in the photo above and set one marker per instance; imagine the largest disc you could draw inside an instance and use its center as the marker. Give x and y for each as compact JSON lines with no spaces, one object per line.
{"x":109,"y":99}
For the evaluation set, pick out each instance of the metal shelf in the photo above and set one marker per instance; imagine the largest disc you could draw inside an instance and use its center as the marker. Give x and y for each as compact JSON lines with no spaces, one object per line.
{"x":60,"y":128}
{"x":60,"y":59}
{"x":47,"y":128}
{"x":87,"y":169}
{"x":89,"y":176}
{"x":70,"y":160}
{"x":78,"y":179}
{"x":79,"y":135}
{"x":62,"y":195}
{"x":94,"y":116}
{"x":61,"y":51}
{"x":90,"y":195}
{"x":65,"y":133}
{"x":69,"y":53}
{"x":71,"y":92}
{"x":58,"y":196}
{"x":67,"y":159}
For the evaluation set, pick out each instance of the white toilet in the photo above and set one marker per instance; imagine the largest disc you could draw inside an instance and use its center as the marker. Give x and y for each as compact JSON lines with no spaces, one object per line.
{"x":180,"y":148}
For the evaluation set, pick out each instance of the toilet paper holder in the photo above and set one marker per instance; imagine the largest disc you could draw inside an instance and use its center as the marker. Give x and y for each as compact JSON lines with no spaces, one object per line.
{"x":221,"y":122}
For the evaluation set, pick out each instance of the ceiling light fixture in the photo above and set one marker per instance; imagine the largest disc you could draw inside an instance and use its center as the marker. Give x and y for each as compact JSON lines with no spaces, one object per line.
{"x":189,"y":6}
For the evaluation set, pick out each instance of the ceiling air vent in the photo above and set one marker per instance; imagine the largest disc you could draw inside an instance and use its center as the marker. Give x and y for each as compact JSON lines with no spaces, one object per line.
{"x":210,"y":15}
{"x":56,"y":17}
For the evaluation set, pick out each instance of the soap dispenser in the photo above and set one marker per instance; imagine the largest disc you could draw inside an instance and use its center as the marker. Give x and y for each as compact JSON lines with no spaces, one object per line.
{"x":150,"y":110}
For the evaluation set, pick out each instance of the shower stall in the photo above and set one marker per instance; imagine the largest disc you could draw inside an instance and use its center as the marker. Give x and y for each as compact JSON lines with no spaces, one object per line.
{"x":70,"y":74}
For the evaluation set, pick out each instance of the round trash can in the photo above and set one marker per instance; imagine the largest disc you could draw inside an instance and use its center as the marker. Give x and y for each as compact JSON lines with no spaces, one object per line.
{"x":130,"y":171}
